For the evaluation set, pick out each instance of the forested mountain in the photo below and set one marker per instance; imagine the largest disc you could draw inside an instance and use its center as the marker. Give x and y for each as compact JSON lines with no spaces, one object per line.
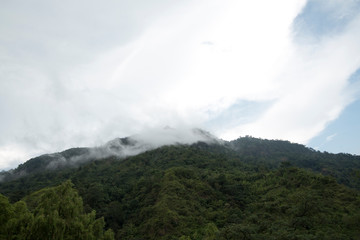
{"x":118,"y":147}
{"x":244,"y":189}
{"x":345,"y":168}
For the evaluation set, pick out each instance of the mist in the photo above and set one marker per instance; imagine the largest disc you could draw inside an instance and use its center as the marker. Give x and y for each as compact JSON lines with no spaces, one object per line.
{"x":147,"y":140}
{"x":119,"y":148}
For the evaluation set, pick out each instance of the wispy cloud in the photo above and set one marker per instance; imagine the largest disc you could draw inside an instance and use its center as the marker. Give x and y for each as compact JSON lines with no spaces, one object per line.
{"x":330,"y":137}
{"x":79,"y":74}
{"x":313,"y":88}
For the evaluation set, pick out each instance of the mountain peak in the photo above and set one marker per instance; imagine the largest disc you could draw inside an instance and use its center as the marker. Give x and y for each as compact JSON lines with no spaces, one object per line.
{"x":118,"y":147}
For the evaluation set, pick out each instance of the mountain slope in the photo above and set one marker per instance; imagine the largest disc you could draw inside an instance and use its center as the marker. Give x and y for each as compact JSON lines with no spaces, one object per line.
{"x":205,"y":191}
{"x":345,"y":168}
{"x":118,"y":147}
{"x":269,"y":154}
{"x":245,"y":189}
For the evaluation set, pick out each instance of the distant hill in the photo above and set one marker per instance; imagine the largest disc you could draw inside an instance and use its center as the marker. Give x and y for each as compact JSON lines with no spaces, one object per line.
{"x":248,"y":188}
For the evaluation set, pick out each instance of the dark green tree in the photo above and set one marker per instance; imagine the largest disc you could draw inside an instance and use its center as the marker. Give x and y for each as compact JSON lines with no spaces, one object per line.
{"x":54,"y":213}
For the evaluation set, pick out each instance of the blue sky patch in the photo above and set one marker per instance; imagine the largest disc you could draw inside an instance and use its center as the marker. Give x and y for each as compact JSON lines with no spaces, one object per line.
{"x":342,"y":135}
{"x":241,"y":112}
{"x":322,"y":18}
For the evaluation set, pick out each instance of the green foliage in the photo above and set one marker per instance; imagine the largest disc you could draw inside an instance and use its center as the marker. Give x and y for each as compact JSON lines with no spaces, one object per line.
{"x":55,"y":213}
{"x":295,"y":204}
{"x":345,"y":168}
{"x":250,"y":189}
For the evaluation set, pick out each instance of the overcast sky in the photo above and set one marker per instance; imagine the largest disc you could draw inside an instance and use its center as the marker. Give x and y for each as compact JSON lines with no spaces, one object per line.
{"x":80,"y":73}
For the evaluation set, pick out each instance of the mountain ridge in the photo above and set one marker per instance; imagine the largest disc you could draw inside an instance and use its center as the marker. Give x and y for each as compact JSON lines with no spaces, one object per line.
{"x":268,"y":153}
{"x":203,"y":190}
{"x":118,"y":147}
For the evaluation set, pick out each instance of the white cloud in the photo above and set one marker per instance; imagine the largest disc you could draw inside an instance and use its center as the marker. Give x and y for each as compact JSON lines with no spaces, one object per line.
{"x":11,"y":155}
{"x":330,"y":137}
{"x":79,"y":74}
{"x":313,"y":89}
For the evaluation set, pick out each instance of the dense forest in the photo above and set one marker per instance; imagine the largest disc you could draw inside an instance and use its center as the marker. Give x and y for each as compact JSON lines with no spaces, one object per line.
{"x":245,"y":189}
{"x":50,"y":213}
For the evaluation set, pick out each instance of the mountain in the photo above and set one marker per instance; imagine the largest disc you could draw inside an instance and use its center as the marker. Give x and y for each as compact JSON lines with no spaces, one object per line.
{"x":248,"y":188}
{"x":118,"y":147}
{"x":273,"y":153}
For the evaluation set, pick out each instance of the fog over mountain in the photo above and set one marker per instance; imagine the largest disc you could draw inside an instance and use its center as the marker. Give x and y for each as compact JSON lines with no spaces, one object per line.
{"x":151,"y":139}
{"x":118,"y":147}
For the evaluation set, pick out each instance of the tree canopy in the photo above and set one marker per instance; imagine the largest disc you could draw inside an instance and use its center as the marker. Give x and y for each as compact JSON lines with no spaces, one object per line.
{"x":257,"y":189}
{"x":51,"y":213}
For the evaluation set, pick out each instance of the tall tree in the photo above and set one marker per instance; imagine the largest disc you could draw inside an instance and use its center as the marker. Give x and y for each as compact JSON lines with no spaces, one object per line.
{"x":52,"y":213}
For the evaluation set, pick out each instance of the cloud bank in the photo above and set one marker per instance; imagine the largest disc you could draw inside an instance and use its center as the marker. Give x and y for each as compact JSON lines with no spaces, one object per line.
{"x":313,"y":85}
{"x":79,"y":74}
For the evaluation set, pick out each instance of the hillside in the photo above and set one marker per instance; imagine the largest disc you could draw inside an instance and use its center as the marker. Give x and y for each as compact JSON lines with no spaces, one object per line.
{"x":245,"y":189}
{"x":118,"y":147}
{"x":345,"y":168}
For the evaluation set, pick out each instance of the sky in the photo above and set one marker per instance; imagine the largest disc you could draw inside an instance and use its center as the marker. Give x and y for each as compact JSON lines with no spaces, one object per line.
{"x":80,"y":73}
